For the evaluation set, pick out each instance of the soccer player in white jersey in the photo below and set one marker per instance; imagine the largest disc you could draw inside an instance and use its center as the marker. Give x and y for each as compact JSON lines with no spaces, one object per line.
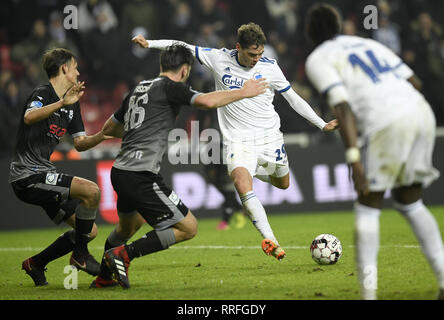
{"x":253,"y":142}
{"x":373,"y":94}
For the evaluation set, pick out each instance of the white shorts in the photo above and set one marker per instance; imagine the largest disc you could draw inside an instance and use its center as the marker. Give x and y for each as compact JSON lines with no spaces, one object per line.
{"x":265,"y":159}
{"x":401,"y":154}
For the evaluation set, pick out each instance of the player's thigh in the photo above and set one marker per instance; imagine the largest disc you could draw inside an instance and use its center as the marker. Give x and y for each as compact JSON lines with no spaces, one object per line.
{"x":129,"y":223}
{"x":50,"y":191}
{"x":147,"y":194}
{"x":272,"y":157}
{"x":407,"y":194}
{"x":239,"y":155}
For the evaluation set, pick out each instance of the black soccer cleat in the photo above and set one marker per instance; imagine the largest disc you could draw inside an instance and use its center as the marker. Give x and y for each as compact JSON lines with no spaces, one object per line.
{"x":118,"y":261}
{"x":36,"y":273}
{"x":86,"y":263}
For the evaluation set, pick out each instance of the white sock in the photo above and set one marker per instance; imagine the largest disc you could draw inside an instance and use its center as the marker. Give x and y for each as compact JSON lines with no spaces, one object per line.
{"x":258,"y":215}
{"x":427,"y":232}
{"x":367,"y":247}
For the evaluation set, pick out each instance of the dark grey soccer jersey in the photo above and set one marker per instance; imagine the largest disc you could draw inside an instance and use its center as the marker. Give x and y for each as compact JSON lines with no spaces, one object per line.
{"x":149,"y":114}
{"x":36,"y":142}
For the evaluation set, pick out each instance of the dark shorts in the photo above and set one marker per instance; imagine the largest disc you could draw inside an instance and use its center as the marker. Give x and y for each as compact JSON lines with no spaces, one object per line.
{"x":146,"y":193}
{"x":50,"y":191}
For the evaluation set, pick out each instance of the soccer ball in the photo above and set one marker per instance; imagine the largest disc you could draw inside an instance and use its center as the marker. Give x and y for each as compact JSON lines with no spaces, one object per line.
{"x":326,"y":249}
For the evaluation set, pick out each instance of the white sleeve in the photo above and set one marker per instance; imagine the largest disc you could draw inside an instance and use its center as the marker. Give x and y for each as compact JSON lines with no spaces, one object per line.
{"x":163,"y":44}
{"x":205,"y":56}
{"x":278,"y":81}
{"x":303,"y":108}
{"x":326,"y":80}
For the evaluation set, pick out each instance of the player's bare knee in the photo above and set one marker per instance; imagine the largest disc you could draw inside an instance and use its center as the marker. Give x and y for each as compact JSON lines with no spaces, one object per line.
{"x":92,"y":196}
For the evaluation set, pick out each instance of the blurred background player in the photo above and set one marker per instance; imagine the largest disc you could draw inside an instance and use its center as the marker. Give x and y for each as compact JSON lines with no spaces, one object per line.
{"x":253,"y":142}
{"x":144,"y":120}
{"x":232,"y":212}
{"x":375,"y":96}
{"x":50,"y":111}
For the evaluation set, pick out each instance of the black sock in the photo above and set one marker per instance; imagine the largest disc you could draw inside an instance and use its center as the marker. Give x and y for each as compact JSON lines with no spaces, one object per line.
{"x":150,"y":243}
{"x":83,"y":229}
{"x":105,"y":272}
{"x":63,"y":245}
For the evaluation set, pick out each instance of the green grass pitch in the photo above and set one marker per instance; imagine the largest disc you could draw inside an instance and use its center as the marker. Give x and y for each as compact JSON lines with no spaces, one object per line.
{"x":218,"y":265}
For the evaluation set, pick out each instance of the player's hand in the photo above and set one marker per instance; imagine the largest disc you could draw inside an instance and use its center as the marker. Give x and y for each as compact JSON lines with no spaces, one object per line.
{"x":254,"y":87}
{"x":141,"y":41}
{"x":359,"y":179}
{"x":74,"y":93}
{"x":331,"y":126}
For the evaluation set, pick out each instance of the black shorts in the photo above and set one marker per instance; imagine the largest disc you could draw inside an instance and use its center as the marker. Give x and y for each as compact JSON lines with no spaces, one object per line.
{"x":50,"y":191}
{"x":146,"y":193}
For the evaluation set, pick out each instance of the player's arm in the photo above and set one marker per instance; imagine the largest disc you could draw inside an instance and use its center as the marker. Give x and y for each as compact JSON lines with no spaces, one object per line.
{"x":305,"y":110}
{"x":220,"y":98}
{"x":160,"y":44}
{"x":71,"y":96}
{"x":113,"y":127}
{"x":83,"y":143}
{"x":416,"y":82}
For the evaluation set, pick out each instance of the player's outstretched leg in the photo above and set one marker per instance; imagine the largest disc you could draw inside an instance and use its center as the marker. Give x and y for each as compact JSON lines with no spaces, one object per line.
{"x":119,"y":258}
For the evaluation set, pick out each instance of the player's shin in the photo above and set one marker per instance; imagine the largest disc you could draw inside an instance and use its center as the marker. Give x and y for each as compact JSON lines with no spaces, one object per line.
{"x":427,"y":232}
{"x":114,"y":240}
{"x":61,"y":246}
{"x":367,"y":247}
{"x":153,"y":241}
{"x":258,"y":215}
{"x":85,"y":218}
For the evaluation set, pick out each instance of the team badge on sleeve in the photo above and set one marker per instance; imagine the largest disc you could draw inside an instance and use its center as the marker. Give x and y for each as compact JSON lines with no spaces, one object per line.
{"x":36,"y":104}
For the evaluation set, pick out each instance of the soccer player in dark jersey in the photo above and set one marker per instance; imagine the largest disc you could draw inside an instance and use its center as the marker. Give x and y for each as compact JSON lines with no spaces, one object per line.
{"x":51,"y":110}
{"x":144,"y":120}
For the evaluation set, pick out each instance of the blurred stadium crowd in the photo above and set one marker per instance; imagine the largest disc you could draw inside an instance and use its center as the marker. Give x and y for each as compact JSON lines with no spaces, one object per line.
{"x":110,"y":63}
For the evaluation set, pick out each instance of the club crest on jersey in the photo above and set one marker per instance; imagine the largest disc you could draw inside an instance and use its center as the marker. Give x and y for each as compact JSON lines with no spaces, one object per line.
{"x":232,"y":82}
{"x":257,"y":75}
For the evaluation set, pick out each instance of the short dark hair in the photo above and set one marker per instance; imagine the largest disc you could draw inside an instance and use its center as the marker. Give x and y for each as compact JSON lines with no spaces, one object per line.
{"x":54,"y":58}
{"x":250,"y":34}
{"x":174,"y":57}
{"x":323,"y":23}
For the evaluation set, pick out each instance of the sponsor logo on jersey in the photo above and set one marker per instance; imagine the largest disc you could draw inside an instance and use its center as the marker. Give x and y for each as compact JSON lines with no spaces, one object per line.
{"x":56,"y":131}
{"x":232,"y":82}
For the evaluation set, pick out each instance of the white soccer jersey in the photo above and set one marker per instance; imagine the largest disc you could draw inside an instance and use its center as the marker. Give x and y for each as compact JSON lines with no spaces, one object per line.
{"x":367,"y":75}
{"x":247,"y":118}
{"x":253,"y":119}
